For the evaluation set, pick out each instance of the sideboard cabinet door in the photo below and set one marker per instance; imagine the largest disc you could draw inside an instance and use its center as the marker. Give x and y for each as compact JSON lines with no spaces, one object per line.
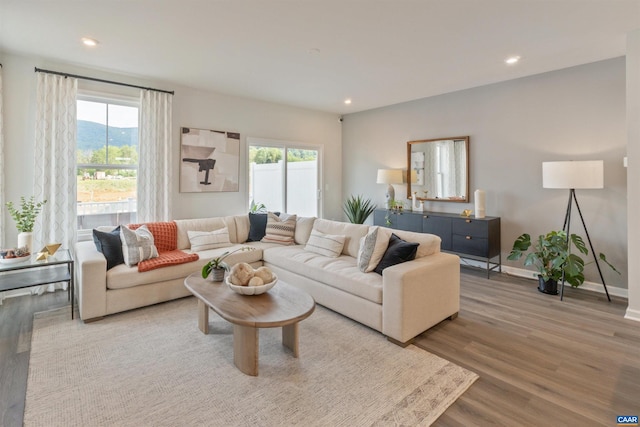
{"x":440,"y":226}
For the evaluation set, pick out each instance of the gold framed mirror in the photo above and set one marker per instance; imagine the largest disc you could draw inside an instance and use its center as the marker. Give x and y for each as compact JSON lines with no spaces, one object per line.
{"x":438,"y":169}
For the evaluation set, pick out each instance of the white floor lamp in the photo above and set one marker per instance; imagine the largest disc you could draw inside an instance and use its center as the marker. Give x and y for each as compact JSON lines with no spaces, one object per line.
{"x":574,"y":175}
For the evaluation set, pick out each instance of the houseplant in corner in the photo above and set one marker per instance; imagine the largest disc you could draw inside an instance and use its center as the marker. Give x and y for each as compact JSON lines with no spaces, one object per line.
{"x":358,"y":209}
{"x":25,"y":218}
{"x":551,"y":255}
{"x":216,"y":267}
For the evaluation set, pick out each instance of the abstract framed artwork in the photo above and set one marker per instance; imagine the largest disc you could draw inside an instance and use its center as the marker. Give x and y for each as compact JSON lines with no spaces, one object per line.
{"x":209,"y":160}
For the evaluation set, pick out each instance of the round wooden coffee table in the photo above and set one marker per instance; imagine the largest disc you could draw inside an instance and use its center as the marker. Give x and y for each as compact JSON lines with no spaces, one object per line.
{"x":282,"y":306}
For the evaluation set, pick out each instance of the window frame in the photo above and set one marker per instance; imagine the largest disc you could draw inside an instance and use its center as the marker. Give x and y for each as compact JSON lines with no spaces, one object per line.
{"x":113,"y":99}
{"x":287,"y":145}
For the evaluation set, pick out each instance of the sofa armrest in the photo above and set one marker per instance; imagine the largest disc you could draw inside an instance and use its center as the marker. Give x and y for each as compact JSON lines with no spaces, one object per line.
{"x":91,"y":269}
{"x":418,"y":294}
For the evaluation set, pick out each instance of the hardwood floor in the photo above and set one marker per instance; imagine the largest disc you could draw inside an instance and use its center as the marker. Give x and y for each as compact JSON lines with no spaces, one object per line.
{"x":16,"y":322}
{"x":541,"y":361}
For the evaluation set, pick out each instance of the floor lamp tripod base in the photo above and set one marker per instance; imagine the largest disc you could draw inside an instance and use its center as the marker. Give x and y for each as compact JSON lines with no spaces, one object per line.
{"x":565,"y":227}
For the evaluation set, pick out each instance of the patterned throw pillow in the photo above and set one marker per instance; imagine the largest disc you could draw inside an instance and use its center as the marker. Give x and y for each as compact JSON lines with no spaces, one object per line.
{"x":203,"y":240}
{"x":372,"y":248}
{"x":281,"y":229}
{"x":325,"y":244}
{"x":137,"y":245}
{"x":165,"y":234}
{"x":257,"y":226}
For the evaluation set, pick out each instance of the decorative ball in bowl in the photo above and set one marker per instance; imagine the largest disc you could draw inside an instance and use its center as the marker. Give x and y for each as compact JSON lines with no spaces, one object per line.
{"x":249,"y":289}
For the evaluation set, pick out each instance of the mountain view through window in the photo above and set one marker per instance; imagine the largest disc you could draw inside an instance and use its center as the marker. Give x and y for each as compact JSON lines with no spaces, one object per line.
{"x":107,"y":158}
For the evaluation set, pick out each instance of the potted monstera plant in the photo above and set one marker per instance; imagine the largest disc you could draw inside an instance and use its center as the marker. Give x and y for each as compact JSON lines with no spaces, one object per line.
{"x":551,"y":255}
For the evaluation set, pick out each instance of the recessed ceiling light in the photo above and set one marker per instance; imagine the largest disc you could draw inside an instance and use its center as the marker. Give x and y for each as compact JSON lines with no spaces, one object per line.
{"x":512,"y":60}
{"x":347,"y":101}
{"x":89,"y":42}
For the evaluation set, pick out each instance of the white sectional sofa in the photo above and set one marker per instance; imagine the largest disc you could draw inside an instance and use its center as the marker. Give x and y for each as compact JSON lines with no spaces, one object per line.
{"x":404,"y":301}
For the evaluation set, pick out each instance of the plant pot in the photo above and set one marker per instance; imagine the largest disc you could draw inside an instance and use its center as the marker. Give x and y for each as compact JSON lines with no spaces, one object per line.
{"x":548,"y":287}
{"x":25,"y":239}
{"x":217,"y":275}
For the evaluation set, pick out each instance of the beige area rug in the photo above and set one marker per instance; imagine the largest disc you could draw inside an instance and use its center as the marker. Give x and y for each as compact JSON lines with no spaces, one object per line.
{"x":153,"y":367}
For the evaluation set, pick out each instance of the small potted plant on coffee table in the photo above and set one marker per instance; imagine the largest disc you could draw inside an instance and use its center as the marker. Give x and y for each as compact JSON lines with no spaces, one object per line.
{"x":216,"y":267}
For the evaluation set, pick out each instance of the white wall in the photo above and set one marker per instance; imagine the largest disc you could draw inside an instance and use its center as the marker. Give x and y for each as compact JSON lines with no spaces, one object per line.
{"x":191,"y":108}
{"x":633,"y":170}
{"x":572,"y":114}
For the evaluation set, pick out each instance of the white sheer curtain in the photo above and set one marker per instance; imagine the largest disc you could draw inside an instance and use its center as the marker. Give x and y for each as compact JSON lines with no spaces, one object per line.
{"x":155,"y":158}
{"x":2,"y":230}
{"x":460,"y":167}
{"x":55,"y":162}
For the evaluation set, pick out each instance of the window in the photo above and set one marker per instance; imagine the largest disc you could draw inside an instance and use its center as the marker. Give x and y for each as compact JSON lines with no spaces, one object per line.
{"x":107,"y":161}
{"x":284,"y":176}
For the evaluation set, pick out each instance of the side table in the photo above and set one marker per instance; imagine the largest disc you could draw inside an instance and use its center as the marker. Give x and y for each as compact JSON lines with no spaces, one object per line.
{"x":29,"y":273}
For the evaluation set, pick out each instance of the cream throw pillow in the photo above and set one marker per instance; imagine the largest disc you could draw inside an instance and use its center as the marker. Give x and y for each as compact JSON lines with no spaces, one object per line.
{"x":329,"y":245}
{"x":372,"y":248}
{"x":203,"y":240}
{"x":137,"y":245}
{"x":280,"y":229}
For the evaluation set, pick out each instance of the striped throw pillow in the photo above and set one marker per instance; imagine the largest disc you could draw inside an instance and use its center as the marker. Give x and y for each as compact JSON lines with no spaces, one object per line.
{"x":203,"y":240}
{"x":280,"y":229}
{"x":329,"y":245}
{"x":372,"y":248}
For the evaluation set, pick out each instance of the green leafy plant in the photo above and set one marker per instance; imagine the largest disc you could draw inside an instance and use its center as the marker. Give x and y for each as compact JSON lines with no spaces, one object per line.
{"x":257,"y":207}
{"x":218,"y":262}
{"x":393,"y":205}
{"x":358,"y":209}
{"x":25,"y":216}
{"x":551,"y":255}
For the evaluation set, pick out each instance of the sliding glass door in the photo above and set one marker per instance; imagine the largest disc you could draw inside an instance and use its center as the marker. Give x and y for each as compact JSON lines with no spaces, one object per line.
{"x":284,"y":176}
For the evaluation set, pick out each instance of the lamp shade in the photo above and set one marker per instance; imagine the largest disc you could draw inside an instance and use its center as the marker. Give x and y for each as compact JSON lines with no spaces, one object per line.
{"x":573,"y":174}
{"x":389,"y":176}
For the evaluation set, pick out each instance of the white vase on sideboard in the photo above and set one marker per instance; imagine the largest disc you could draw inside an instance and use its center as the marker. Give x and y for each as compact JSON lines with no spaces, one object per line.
{"x":25,"y":239}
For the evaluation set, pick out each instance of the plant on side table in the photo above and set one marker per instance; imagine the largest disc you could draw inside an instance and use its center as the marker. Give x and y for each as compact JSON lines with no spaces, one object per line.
{"x":216,"y":267}
{"x":25,"y":218}
{"x":551,"y":255}
{"x":358,"y":209}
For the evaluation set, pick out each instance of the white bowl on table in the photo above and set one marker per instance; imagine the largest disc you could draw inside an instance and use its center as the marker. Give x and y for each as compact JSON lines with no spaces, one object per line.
{"x":251,"y":290}
{"x":15,"y":260}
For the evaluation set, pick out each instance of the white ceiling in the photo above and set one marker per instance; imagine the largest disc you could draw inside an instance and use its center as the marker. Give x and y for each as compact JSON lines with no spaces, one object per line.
{"x":376,"y":52}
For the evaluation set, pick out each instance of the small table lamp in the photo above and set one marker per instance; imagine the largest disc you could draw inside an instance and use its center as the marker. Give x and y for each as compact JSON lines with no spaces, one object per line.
{"x":587,"y":174}
{"x":390,"y":177}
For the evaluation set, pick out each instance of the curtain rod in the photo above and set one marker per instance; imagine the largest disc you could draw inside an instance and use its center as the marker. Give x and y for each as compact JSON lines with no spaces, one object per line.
{"x":93,"y":79}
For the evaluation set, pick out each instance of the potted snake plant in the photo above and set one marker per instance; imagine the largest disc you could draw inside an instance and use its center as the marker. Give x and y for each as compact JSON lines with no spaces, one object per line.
{"x":358,"y":209}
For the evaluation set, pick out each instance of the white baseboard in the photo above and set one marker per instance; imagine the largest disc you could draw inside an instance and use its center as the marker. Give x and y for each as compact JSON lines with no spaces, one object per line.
{"x":589,"y":286}
{"x":632,"y":315}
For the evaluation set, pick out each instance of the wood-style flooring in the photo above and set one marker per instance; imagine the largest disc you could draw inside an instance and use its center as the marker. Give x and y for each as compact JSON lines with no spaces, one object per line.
{"x":542,"y":362}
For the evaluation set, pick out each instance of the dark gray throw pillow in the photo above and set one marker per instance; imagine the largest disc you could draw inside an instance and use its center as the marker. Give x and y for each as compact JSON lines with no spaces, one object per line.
{"x":399,"y":251}
{"x":257,"y":226}
{"x":110,"y":245}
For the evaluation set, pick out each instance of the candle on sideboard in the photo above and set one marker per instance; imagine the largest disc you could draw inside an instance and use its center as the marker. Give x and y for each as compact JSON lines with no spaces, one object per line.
{"x":480,"y":200}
